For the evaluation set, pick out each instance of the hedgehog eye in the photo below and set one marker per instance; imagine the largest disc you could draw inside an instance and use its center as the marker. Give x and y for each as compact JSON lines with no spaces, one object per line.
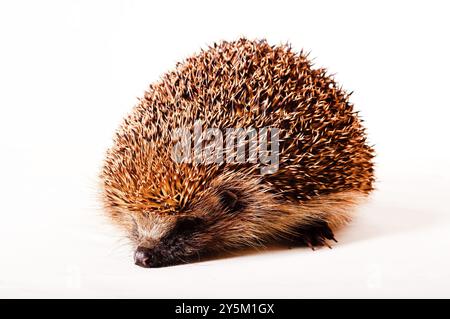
{"x":230,"y":200}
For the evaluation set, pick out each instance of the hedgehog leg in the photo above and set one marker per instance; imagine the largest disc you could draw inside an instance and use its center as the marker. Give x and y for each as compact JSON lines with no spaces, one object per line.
{"x":314,"y":235}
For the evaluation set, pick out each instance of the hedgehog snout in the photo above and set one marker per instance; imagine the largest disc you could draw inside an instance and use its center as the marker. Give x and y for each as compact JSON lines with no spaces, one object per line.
{"x":144,"y":257}
{"x":173,"y":246}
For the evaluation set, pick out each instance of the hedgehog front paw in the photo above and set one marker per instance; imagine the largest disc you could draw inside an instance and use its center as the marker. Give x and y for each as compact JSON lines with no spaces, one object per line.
{"x":314,"y":235}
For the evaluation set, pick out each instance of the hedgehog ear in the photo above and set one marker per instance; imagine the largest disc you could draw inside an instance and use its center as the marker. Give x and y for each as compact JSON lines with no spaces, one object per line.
{"x":230,"y":200}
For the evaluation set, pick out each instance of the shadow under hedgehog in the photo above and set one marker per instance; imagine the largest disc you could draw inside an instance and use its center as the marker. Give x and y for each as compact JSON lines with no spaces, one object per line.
{"x":177,"y":211}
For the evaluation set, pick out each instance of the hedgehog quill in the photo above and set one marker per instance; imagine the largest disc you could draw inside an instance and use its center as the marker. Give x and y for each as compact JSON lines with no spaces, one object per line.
{"x":294,"y":169}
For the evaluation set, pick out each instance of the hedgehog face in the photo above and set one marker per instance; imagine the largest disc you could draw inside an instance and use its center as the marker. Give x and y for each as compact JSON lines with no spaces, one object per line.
{"x":222,"y":217}
{"x":226,"y":214}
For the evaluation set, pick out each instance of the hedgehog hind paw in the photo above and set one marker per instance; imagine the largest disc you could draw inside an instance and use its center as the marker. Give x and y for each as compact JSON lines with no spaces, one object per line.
{"x":315,"y":235}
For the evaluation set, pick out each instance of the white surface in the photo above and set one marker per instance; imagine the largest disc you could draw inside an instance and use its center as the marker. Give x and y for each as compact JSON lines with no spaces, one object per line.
{"x":70,"y":70}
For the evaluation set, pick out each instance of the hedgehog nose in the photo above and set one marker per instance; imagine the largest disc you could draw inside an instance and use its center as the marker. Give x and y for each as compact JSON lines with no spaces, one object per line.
{"x":143,"y":257}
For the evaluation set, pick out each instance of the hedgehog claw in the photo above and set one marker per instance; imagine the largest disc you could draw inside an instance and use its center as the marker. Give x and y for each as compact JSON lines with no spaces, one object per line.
{"x":315,"y":235}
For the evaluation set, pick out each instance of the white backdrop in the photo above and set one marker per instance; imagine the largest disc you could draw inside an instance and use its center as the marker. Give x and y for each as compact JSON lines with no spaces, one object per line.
{"x":70,"y":70}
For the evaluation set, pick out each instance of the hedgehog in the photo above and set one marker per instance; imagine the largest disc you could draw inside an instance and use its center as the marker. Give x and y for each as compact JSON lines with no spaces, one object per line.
{"x":177,"y":205}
